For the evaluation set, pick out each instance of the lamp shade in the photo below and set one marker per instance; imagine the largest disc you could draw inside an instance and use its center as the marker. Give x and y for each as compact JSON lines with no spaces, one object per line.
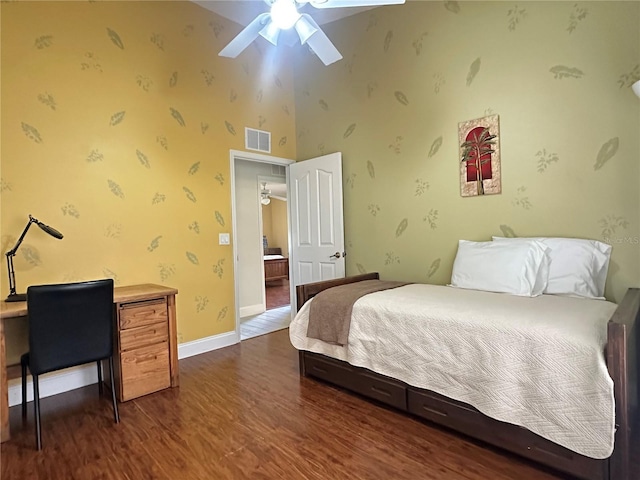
{"x":304,"y":29}
{"x":636,"y":88}
{"x":271,"y":32}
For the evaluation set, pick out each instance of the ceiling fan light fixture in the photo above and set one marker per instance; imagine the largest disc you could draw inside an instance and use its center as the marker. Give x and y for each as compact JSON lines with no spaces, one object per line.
{"x":271,"y":32}
{"x":304,"y":29}
{"x":636,"y":88}
{"x":265,"y":194}
{"x":284,"y":14}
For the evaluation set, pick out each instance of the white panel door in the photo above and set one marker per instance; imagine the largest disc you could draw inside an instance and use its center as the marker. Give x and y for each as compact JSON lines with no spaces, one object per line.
{"x":317,"y":226}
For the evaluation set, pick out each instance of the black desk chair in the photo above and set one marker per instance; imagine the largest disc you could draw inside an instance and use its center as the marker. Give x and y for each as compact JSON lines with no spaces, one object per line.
{"x":69,"y":324}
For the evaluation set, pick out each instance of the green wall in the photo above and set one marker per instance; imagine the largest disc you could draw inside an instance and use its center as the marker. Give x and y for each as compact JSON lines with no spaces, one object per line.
{"x":558,"y":76}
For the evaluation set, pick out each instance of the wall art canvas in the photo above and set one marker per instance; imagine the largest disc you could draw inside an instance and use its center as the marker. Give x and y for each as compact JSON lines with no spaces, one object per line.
{"x":479,"y":158}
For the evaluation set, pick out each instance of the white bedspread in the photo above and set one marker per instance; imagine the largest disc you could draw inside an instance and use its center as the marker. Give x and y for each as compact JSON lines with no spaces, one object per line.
{"x":534,"y":362}
{"x":272,"y":257}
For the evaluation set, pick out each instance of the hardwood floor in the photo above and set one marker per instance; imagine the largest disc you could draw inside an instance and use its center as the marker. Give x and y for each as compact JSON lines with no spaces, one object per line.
{"x":243,"y":412}
{"x":267,"y":322}
{"x":277,"y":294}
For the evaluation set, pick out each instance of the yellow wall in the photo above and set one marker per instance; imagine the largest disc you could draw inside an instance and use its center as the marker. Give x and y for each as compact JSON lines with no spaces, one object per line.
{"x":275,"y":225}
{"x":267,"y":229}
{"x":280,"y":225}
{"x":557,"y":74}
{"x":117,"y":120}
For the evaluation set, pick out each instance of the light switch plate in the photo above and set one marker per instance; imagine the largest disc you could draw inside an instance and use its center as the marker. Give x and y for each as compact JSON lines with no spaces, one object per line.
{"x":223,"y":239}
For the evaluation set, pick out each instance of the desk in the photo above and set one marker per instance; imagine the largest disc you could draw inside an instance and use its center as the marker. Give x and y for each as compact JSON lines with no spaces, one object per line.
{"x":136,"y":302}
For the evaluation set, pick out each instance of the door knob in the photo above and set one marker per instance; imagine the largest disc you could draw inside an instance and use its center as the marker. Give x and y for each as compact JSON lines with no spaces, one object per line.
{"x":335,"y":255}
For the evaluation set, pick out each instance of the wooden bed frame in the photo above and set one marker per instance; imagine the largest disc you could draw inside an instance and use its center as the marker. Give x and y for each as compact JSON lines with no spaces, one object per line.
{"x":622,"y":357}
{"x":277,"y":268}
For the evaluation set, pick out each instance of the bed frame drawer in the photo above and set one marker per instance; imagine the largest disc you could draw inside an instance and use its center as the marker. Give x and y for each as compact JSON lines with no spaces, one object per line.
{"x":385,"y":390}
{"x":466,"y":419}
{"x":389,"y":391}
{"x":443,"y":410}
{"x":325,"y":369}
{"x":459,"y":416}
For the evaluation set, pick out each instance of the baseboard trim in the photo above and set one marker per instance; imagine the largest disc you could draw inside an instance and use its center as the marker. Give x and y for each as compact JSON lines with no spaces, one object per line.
{"x":252,"y":310}
{"x":207,"y":344}
{"x":78,"y":377}
{"x":54,"y":383}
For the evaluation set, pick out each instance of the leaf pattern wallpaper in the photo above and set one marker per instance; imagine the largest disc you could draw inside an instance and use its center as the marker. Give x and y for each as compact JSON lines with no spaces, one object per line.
{"x":118,"y":118}
{"x":557,"y":75}
{"x":104,"y":108}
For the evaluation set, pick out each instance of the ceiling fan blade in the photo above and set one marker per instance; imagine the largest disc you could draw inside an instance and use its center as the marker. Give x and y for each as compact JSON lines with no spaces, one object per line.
{"x":245,"y":37}
{"x":311,"y":34}
{"x":353,"y":3}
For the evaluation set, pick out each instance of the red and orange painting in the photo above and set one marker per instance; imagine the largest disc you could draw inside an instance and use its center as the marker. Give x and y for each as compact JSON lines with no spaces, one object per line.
{"x":479,"y":158}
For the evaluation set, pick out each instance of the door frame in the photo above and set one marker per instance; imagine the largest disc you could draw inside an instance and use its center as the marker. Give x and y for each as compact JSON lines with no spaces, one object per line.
{"x":258,"y":158}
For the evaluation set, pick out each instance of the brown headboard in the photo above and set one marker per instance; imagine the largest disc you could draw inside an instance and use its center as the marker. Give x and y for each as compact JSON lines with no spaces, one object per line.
{"x":273,"y":251}
{"x":309,"y":290}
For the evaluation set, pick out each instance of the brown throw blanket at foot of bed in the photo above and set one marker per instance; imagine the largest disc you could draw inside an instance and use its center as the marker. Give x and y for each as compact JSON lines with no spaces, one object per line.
{"x":330,"y":310}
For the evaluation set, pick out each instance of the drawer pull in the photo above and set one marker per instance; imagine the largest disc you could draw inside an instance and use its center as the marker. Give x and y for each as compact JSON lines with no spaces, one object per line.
{"x":380,"y":391}
{"x":433,"y":410}
{"x":457,"y":405}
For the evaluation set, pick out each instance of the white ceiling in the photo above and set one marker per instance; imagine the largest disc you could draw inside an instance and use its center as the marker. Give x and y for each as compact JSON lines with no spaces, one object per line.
{"x":243,"y":11}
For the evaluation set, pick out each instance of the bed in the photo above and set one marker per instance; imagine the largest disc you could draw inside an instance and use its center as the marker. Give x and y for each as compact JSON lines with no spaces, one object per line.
{"x":276,"y":266}
{"x":620,"y":338}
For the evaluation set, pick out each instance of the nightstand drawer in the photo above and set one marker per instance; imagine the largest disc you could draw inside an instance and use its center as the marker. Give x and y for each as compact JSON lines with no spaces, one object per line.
{"x":137,"y":314}
{"x":142,"y":336}
{"x":145,"y":370}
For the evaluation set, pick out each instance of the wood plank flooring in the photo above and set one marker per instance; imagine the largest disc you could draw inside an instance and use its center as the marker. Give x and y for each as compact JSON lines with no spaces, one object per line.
{"x":277,"y":293}
{"x":243,"y":412}
{"x":266,"y":322}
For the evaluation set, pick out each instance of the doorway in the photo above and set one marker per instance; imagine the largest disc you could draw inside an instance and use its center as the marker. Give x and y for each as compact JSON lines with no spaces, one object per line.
{"x":256,"y":178}
{"x":275,"y":242}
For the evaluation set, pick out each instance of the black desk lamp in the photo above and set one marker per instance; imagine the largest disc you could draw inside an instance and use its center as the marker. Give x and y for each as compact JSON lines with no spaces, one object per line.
{"x":21,"y":297}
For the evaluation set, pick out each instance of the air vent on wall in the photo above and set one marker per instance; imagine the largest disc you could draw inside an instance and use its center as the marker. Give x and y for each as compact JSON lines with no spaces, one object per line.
{"x":278,"y":170}
{"x":257,"y":140}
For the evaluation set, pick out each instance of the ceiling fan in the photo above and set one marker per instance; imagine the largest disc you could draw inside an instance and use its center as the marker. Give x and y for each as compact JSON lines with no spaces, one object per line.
{"x":265,"y":195}
{"x":285,"y":15}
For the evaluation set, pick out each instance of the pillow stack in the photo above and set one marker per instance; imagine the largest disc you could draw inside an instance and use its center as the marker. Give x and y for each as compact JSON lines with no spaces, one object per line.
{"x":532,"y":266}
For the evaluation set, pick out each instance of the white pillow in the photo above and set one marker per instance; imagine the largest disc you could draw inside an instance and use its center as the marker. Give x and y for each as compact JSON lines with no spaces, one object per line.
{"x":578,"y":266}
{"x":518,"y":268}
